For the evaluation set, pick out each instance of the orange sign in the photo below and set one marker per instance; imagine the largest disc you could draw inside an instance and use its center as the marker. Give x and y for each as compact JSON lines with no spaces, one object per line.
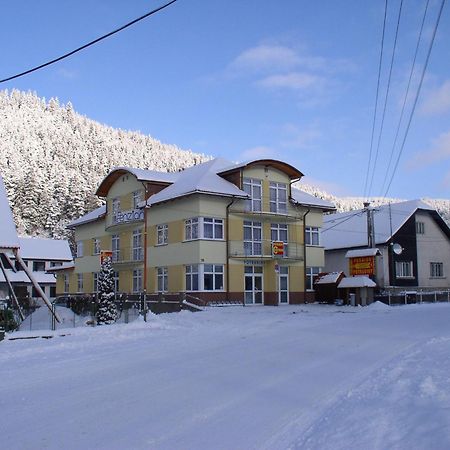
{"x":278,"y":248}
{"x":362,"y":265}
{"x":105,"y":254}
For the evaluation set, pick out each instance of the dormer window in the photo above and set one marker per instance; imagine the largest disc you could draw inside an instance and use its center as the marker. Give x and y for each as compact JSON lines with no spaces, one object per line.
{"x":278,"y":197}
{"x":137,"y":198}
{"x":253,"y":187}
{"x":115,"y":205}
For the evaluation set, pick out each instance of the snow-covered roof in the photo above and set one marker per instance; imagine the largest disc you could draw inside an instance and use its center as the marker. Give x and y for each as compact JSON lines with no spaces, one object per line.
{"x":45,"y":249}
{"x":356,"y":282}
{"x":291,"y":171}
{"x":349,"y":229}
{"x":329,"y":278}
{"x":21,"y":277}
{"x":65,"y":266}
{"x":362,"y":252}
{"x":8,"y":233}
{"x":202,"y":179}
{"x":89,"y":217}
{"x":302,"y":198}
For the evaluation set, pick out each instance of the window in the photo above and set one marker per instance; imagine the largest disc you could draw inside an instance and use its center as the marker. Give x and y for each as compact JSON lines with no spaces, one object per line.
{"x":137,"y":245}
{"x":436,"y":269}
{"x":404,"y":269}
{"x":192,"y":277}
{"x":278,"y":197}
{"x":212,"y":228}
{"x":162,"y":279}
{"x":420,"y":227}
{"x":38,"y":266}
{"x":253,"y":187}
{"x":312,"y":236}
{"x":137,"y":198}
{"x":66,"y":283}
{"x":115,"y":247}
{"x":96,"y":246}
{"x":79,"y":282}
{"x":115,"y":205}
{"x":116,"y":281}
{"x":252,"y":238}
{"x":213,"y":277}
{"x":279,"y":232}
{"x":311,"y":273}
{"x":55,"y":263}
{"x":191,"y":229}
{"x":137,"y":280}
{"x":162,"y":232}
{"x":95,"y":282}
{"x":79,"y":249}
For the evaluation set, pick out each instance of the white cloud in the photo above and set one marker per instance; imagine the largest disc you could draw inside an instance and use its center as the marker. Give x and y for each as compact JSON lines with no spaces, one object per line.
{"x":437,"y":100}
{"x":299,"y":137}
{"x":292,"y":80}
{"x":259,"y":152}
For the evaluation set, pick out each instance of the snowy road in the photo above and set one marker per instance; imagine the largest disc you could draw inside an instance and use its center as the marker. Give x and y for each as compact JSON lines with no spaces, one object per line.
{"x":236,"y":378}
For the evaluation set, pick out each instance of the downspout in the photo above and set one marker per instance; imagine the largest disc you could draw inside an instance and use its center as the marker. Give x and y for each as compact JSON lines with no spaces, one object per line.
{"x":304,"y":249}
{"x":145,"y":238}
{"x":228,"y":249}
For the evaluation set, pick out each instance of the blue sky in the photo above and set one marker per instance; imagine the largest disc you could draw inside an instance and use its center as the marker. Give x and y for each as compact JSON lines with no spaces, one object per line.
{"x":291,"y":79}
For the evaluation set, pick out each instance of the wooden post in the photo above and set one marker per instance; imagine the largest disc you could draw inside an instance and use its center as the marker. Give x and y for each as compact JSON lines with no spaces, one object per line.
{"x":35,"y":284}
{"x":11,"y":290}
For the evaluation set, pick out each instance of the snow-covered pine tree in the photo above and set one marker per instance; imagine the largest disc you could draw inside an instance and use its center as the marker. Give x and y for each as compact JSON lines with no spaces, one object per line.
{"x":107,"y":312}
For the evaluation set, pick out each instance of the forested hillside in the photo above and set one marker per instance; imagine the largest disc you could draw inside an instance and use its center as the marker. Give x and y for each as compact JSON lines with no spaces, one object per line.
{"x":52,"y":160}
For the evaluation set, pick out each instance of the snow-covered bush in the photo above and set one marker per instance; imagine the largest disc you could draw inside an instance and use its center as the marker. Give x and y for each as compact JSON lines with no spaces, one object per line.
{"x":107,"y":312}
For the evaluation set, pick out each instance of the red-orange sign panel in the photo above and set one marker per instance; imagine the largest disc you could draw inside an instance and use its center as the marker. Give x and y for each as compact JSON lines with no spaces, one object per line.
{"x":278,"y":248}
{"x":362,"y":265}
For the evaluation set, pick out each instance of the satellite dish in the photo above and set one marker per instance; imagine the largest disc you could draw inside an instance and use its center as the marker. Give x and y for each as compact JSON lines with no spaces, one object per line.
{"x":397,"y":249}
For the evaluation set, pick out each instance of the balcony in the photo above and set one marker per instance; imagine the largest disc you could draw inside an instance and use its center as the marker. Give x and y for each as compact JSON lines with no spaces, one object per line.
{"x":125,"y":217}
{"x":286,"y":216}
{"x":128,"y":256}
{"x":264,"y":250}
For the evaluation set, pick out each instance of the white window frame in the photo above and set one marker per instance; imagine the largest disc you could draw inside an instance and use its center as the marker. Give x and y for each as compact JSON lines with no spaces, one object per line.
{"x":79,"y":249}
{"x":251,"y":186}
{"x":115,"y":247}
{"x":66,"y":283}
{"x":115,"y":205}
{"x":218,"y":276}
{"x":191,"y":229}
{"x":252,"y":244}
{"x":116,"y":281}
{"x":138,"y":253}
{"x":278,"y":197}
{"x":436,"y":270}
{"x":194,"y":228}
{"x":137,"y":198}
{"x":80,"y":282}
{"x":162,"y":279}
{"x":310,"y":234}
{"x":404,"y":269}
{"x":94,"y":282}
{"x":192,"y":276}
{"x":96,"y":246}
{"x":311,"y":272}
{"x":162,"y":234}
{"x":137,"y":280}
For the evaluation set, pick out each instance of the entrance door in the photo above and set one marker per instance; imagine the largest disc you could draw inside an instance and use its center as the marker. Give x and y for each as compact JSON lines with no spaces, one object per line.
{"x":283,"y":285}
{"x":253,"y":285}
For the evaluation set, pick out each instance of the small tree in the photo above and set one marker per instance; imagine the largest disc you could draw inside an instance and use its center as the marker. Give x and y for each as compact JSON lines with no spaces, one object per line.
{"x":107,"y":312}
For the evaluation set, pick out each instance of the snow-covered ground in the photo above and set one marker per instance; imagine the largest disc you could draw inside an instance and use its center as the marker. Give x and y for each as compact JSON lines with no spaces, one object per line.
{"x":306,"y":377}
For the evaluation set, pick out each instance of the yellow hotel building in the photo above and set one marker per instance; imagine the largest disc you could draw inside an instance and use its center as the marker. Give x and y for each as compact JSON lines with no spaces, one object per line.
{"x":217,"y":231}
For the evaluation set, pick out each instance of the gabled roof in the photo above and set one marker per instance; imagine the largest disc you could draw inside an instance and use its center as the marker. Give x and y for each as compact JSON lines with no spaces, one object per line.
{"x":140,"y":174}
{"x":329,"y":278}
{"x":8,"y":233}
{"x":362,"y":252}
{"x":302,"y":198}
{"x":200,"y":179}
{"x":291,"y":171}
{"x":349,"y":229}
{"x":48,"y":249}
{"x":98,"y":213}
{"x":356,"y":282}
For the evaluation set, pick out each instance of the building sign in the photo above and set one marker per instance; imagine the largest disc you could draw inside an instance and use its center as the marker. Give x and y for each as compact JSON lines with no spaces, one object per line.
{"x":362,"y":265}
{"x":253,"y":262}
{"x":133,"y":215}
{"x":278,"y":248}
{"x":105,"y":254}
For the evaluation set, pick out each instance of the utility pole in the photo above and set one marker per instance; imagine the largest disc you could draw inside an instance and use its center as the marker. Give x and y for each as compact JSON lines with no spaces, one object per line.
{"x":370,"y":225}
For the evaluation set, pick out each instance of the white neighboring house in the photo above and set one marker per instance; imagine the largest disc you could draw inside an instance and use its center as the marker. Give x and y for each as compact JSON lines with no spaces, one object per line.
{"x":414,"y":229}
{"x":39,"y":255}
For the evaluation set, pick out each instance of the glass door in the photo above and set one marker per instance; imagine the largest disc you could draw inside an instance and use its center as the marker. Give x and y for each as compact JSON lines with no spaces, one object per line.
{"x":253,"y":293}
{"x":283,"y":285}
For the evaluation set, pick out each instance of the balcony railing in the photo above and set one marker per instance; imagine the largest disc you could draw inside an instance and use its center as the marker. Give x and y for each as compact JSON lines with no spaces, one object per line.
{"x":128,"y":255}
{"x":264,"y":249}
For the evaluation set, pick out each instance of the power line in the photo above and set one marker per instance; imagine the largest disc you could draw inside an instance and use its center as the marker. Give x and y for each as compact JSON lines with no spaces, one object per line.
{"x":342,"y":221}
{"x":376,"y":97}
{"x":417,"y":97}
{"x":405,"y":99}
{"x":101,"y":38}
{"x":386,"y":97}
